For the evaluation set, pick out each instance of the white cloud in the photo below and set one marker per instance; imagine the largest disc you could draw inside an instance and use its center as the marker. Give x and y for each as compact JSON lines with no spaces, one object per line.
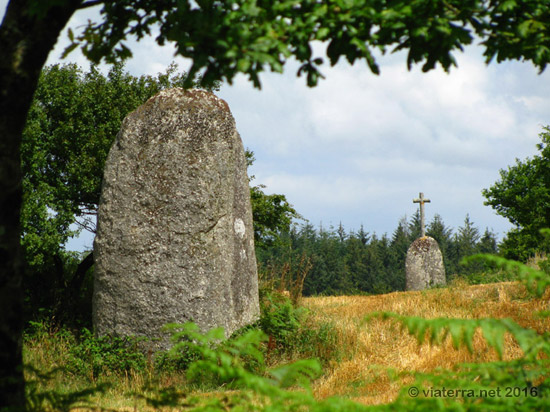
{"x":381,"y":140}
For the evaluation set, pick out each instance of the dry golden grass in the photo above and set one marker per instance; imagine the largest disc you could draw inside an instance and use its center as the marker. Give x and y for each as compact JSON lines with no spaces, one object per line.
{"x":374,"y":347}
{"x":379,"y":345}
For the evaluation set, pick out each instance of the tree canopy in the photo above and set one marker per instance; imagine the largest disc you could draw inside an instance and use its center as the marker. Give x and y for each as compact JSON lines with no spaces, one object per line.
{"x":522,"y":195}
{"x":224,"y":38}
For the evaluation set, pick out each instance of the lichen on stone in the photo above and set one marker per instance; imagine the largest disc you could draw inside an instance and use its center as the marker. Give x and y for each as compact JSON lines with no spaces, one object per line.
{"x":175,"y":237}
{"x":424,"y":265}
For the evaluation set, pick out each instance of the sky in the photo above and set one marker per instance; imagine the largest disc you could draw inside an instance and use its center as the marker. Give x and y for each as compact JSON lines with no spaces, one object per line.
{"x":358,"y":148}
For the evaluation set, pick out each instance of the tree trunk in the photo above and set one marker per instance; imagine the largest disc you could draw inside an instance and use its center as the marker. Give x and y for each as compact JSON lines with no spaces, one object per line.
{"x":28,"y":33}
{"x":78,"y":279}
{"x":67,"y":307}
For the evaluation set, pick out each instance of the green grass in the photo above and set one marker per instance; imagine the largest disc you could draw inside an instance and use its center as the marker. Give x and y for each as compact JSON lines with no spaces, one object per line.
{"x":69,"y":367}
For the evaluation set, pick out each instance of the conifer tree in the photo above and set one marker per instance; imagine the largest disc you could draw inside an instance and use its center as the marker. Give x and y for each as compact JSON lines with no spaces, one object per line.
{"x":488,"y":243}
{"x":443,"y":235}
{"x":363,"y":236}
{"x":414,"y":226}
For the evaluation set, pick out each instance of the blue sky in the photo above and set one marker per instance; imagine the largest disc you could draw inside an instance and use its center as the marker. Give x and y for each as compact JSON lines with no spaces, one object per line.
{"x":358,"y":148}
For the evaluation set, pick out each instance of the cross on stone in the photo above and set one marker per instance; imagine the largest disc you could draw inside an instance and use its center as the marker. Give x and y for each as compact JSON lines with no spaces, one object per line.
{"x":421,"y":200}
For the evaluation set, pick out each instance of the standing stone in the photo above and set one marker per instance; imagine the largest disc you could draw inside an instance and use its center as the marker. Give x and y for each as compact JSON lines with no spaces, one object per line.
{"x":424,"y":266}
{"x":175,"y":241}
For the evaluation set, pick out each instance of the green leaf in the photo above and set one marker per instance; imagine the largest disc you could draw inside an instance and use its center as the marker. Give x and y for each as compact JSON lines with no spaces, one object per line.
{"x":298,"y":373}
{"x":69,"y":49}
{"x":457,"y":333}
{"x":493,"y":332}
{"x":322,"y":33}
{"x":524,"y":28}
{"x":243,"y":65}
{"x":507,"y":5}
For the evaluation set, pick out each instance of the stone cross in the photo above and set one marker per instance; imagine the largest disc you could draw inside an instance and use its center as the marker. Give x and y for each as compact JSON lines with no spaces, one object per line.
{"x":421,"y":200}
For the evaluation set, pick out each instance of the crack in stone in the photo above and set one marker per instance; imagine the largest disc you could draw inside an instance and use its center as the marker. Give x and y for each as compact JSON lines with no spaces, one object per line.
{"x":211,"y":227}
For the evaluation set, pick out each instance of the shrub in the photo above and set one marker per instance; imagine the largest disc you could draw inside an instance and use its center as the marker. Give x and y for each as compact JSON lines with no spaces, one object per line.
{"x":95,"y":356}
{"x":293,"y":332}
{"x":175,"y":361}
{"x":280,"y":320}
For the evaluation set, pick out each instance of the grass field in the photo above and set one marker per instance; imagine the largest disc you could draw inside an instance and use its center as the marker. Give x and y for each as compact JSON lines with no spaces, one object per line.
{"x":370,"y":348}
{"x":378,"y":345}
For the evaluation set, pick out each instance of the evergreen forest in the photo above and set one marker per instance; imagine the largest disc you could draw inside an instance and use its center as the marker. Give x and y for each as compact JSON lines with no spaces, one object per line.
{"x":333,"y":261}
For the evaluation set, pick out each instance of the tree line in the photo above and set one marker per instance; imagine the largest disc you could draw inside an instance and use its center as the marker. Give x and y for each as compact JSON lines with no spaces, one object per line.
{"x":354,"y":262}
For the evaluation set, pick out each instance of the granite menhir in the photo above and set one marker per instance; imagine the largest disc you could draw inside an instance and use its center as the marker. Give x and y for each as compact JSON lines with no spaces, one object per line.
{"x":175,"y":241}
{"x":424,"y":265}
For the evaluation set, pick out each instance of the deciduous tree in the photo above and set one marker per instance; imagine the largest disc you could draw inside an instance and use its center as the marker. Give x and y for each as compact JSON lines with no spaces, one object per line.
{"x":522,"y":195}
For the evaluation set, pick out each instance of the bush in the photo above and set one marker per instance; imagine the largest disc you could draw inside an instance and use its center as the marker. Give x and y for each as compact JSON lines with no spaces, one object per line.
{"x":293,"y":333}
{"x":93,"y":356}
{"x":172,"y":361}
{"x":280,"y":320}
